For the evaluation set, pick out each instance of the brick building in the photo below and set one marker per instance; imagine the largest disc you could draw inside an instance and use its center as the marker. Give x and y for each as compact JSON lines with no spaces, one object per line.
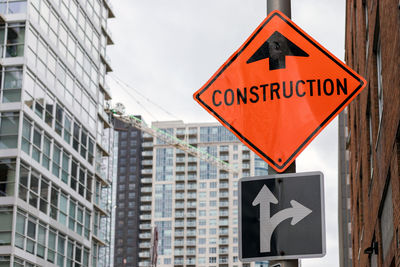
{"x":373,"y":133}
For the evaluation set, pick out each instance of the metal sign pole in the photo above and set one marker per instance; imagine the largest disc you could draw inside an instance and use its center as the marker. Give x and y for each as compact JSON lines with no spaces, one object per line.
{"x":285,"y":7}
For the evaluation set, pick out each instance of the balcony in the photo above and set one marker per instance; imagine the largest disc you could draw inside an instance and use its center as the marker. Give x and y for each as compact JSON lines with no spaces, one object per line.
{"x":192,"y":131}
{"x":245,"y":166}
{"x":224,"y":158}
{"x":223,"y":194}
{"x":223,"y":213}
{"x":179,"y":205}
{"x":224,"y":204}
{"x":192,"y":140}
{"x":145,"y":199}
{"x":145,"y":208}
{"x":180,"y":187}
{"x":147,"y":144}
{"x":107,"y":61}
{"x":179,"y":252}
{"x":145,"y":245}
{"x":191,"y":204}
{"x":224,"y":185}
{"x":191,"y":223}
{"x":192,"y":177}
{"x":192,"y":159}
{"x":180,"y":177}
{"x":191,"y":242}
{"x":192,"y":186}
{"x":147,"y":162}
{"x":223,"y":176}
{"x":146,"y":189}
{"x":179,"y":233}
{"x":144,"y":254}
{"x":190,"y":261}
{"x":191,"y":252}
{"x":147,"y":171}
{"x":178,"y":261}
{"x":223,"y":241}
{"x":224,"y":149}
{"x":145,"y":217}
{"x":192,"y":168}
{"x":180,"y":131}
{"x":146,"y":180}
{"x":145,"y":226}
{"x":180,"y":159}
{"x":191,"y":196}
{"x":179,"y":215}
{"x":180,"y":169}
{"x":179,"y":196}
{"x":191,"y":233}
{"x":145,"y":236}
{"x":245,"y":156}
{"x":223,"y":260}
{"x":179,"y":224}
{"x":223,"y":222}
{"x":223,"y":231}
{"x":223,"y":251}
{"x":191,"y":214}
{"x":147,"y":136}
{"x":147,"y":153}
{"x":179,"y":243}
{"x":144,"y":263}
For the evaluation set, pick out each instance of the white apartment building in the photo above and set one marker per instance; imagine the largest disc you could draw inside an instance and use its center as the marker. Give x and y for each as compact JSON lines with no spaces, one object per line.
{"x":55,"y":138}
{"x":193,"y":204}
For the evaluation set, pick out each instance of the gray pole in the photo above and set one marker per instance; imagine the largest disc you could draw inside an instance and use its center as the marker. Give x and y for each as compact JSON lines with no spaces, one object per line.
{"x":284,"y":7}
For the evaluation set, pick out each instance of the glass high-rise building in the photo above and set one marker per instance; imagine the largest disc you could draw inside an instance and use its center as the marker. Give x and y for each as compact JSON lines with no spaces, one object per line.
{"x":55,"y":138}
{"x":192,"y":204}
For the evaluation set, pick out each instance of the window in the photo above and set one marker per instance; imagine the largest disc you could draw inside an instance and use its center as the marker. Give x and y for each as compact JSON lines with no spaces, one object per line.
{"x":12,"y":37}
{"x":386,"y":221}
{"x":12,"y":6}
{"x":8,"y":130}
{"x":163,"y":201}
{"x":212,"y":260}
{"x":7,"y":177}
{"x":6,"y":225}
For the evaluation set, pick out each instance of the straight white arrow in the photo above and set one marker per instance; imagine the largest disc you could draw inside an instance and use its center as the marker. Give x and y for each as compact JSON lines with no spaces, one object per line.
{"x":267,"y":224}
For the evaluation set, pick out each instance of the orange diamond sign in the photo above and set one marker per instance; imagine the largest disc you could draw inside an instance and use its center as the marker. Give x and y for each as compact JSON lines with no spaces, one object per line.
{"x":279,"y":90}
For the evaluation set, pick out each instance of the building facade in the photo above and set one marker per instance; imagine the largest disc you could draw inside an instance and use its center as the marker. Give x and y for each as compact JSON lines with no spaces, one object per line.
{"x":373,"y":134}
{"x":127,"y":204}
{"x":344,"y":195}
{"x":192,"y":204}
{"x":55,"y":138}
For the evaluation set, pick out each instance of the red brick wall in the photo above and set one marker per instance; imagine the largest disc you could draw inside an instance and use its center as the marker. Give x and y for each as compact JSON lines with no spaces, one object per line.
{"x":368,"y":194}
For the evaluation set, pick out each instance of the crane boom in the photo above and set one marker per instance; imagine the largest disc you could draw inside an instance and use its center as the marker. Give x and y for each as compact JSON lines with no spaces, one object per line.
{"x":172,"y":140}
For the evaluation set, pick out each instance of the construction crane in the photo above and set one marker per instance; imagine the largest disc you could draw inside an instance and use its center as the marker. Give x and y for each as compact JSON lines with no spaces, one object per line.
{"x":118,"y":112}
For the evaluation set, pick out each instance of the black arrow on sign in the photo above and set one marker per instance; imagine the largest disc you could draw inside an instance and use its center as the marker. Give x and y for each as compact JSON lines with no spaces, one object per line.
{"x":276,"y":48}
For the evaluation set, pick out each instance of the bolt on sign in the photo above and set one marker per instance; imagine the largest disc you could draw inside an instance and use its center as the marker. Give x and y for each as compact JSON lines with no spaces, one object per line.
{"x":279,"y":90}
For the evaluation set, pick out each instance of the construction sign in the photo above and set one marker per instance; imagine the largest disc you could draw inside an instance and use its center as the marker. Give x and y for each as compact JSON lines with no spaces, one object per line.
{"x":279,"y":90}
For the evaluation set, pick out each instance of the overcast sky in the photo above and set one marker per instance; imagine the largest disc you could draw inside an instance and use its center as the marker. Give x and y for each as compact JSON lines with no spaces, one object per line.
{"x":167,"y":50}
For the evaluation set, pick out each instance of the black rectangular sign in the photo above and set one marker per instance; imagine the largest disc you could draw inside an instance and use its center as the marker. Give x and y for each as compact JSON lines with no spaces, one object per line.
{"x":281,"y":217}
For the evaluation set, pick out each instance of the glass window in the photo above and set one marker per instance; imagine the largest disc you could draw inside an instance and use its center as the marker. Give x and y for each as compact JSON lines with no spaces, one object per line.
{"x":6,"y":225}
{"x":56,"y":160}
{"x":7,"y":177}
{"x":63,"y":209}
{"x":13,"y":44}
{"x":8,"y":130}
